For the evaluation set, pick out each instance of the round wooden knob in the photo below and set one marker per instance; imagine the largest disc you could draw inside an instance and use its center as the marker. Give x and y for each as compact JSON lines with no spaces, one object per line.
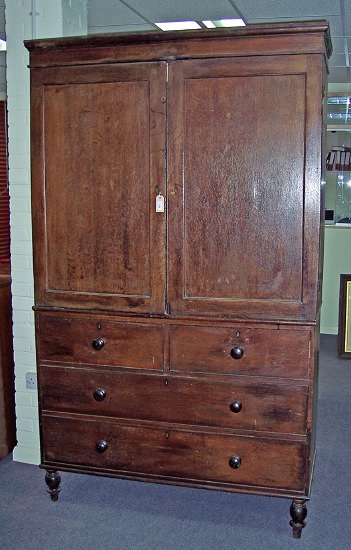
{"x":236,"y":406}
{"x":101,"y":446}
{"x":235,"y":462}
{"x":98,"y":343}
{"x":99,"y":394}
{"x":237,"y":352}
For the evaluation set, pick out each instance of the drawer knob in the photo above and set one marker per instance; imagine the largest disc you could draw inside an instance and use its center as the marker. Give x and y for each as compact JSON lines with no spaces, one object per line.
{"x":98,"y":343}
{"x":235,"y":462}
{"x":237,"y":352}
{"x":101,"y":446}
{"x":236,"y":406}
{"x":99,"y":394}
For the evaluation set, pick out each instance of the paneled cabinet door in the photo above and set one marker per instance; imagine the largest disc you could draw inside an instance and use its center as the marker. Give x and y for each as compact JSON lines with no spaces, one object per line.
{"x":244,"y":171}
{"x":98,"y":148}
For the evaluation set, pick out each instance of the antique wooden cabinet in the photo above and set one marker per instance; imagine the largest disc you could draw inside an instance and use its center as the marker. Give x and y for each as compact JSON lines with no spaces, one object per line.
{"x":177,"y":250}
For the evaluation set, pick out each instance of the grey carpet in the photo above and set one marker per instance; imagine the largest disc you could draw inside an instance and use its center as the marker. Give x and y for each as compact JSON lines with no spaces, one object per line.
{"x":102,"y":513}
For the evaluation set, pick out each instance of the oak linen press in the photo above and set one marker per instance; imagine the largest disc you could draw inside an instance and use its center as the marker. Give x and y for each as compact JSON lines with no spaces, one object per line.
{"x":177,"y":211}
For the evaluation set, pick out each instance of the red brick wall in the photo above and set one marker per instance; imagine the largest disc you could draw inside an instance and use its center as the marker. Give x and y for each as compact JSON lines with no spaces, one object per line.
{"x":4,"y":194}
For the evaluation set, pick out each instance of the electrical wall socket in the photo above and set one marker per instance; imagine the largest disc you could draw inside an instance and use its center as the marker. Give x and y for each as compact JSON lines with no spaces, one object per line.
{"x":31,"y":380}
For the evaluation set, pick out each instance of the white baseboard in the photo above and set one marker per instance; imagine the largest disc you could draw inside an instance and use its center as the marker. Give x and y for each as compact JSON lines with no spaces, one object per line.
{"x":24,"y":454}
{"x":328,"y":330}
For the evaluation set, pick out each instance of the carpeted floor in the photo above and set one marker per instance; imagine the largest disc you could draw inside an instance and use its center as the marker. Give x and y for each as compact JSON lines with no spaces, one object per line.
{"x":102,"y":513}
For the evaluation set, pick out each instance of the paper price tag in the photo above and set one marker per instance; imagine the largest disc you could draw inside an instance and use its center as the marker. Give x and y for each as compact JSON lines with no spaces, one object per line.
{"x":160,"y":203}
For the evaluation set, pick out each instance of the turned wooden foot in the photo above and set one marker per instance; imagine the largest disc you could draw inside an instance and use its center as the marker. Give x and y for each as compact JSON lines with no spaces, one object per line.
{"x":298,"y":512}
{"x":53,"y":480}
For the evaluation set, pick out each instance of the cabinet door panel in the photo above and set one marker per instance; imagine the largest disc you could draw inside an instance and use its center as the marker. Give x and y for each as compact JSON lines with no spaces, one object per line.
{"x":103,"y":152}
{"x":240,"y":160}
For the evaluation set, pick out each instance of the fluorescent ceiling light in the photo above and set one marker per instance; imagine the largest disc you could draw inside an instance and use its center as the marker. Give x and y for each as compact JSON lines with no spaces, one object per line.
{"x":229,"y":23}
{"x":178,"y":25}
{"x":2,"y":45}
{"x":186,"y":25}
{"x":209,"y":24}
{"x":339,"y":100}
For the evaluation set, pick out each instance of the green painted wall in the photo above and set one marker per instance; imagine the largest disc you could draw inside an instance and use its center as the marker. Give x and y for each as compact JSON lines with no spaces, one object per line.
{"x":337,"y":260}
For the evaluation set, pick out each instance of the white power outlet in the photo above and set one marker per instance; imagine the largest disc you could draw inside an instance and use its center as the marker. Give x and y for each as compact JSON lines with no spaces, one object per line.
{"x":31,"y":380}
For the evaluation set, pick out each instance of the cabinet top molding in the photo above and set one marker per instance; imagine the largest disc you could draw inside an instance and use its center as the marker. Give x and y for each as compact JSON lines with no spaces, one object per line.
{"x":260,"y":39}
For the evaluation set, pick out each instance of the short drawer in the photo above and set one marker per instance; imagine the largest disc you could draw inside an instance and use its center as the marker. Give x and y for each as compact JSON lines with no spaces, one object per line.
{"x":100,"y":342}
{"x":200,"y":456}
{"x":255,"y":352}
{"x":238,"y":406}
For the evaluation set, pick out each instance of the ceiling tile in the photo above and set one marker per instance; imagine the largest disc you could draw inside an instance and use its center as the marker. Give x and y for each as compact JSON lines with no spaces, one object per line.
{"x":120,"y":28}
{"x":269,"y":9}
{"x":111,"y":12}
{"x":183,"y":10}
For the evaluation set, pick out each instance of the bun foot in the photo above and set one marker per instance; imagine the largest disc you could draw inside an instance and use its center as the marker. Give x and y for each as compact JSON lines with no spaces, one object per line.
{"x":298,"y":512}
{"x":53,"y":480}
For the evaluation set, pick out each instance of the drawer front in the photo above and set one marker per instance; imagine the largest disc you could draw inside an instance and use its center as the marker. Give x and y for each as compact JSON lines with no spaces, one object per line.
{"x":256,"y":352}
{"x":90,"y":341}
{"x":239,"y":406}
{"x":109,"y":445}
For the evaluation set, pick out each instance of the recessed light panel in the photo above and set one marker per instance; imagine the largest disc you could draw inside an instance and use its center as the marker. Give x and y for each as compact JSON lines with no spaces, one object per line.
{"x":209,"y":24}
{"x":178,"y":25}
{"x":229,"y":23}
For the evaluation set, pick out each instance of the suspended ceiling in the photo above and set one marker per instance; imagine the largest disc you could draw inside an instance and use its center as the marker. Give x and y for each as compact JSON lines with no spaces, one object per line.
{"x":141,"y":15}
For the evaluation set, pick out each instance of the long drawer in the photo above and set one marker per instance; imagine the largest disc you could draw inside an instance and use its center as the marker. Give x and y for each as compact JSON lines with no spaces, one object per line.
{"x":241,"y":351}
{"x":190,"y":400}
{"x":100,"y":342}
{"x":113,"y":446}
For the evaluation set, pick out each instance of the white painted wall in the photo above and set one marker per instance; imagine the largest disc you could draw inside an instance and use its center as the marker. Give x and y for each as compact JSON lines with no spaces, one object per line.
{"x":51,"y":18}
